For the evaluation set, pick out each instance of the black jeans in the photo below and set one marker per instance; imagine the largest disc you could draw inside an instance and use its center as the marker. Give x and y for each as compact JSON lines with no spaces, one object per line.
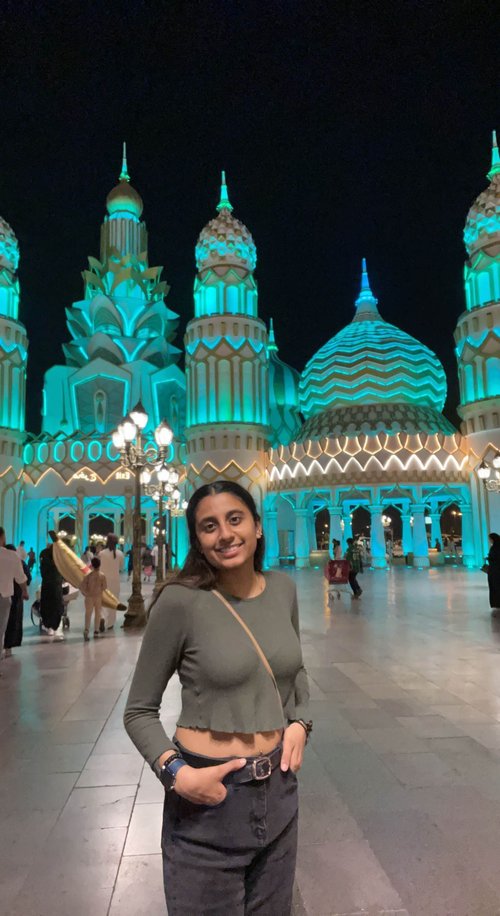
{"x":234,"y":859}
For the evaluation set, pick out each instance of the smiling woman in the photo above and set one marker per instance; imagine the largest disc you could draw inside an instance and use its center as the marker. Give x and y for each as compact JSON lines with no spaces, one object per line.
{"x":231,"y":632}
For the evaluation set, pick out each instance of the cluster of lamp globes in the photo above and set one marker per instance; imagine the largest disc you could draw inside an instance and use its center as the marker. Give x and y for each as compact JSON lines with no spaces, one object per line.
{"x":168,"y":478}
{"x":484,"y":471}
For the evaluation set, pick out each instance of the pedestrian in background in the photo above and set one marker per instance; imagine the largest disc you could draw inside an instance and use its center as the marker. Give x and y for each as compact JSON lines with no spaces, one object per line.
{"x":51,"y":594}
{"x":21,"y":552}
{"x":353,"y":556}
{"x":11,"y":571}
{"x":14,"y":632}
{"x":336,"y":550}
{"x":92,"y":587}
{"x":494,"y":573}
{"x":31,"y":560}
{"x":111,"y":566}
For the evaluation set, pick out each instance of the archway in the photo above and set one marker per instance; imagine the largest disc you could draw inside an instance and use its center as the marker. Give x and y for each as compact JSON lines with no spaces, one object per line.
{"x":361,"y":522}
{"x":322,"y":529}
{"x":451,"y":529}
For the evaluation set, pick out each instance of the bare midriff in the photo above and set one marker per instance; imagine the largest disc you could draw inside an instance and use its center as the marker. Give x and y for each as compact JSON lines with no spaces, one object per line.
{"x":224,"y":744}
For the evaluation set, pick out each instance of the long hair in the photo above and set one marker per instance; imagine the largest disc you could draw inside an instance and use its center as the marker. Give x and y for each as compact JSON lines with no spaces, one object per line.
{"x":111,"y":542}
{"x":494,"y":553}
{"x":197,"y":572}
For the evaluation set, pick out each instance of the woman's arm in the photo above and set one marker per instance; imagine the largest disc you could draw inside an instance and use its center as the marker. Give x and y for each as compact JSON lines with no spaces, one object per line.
{"x":301,"y":680}
{"x":159,"y":658}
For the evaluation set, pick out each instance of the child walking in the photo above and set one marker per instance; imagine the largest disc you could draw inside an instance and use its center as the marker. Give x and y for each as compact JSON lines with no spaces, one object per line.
{"x":92,"y":588}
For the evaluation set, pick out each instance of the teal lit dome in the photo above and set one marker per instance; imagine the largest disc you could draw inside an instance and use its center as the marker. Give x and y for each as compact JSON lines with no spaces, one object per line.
{"x":9,"y":247}
{"x":371,"y":362}
{"x":284,"y":416}
{"x":124,"y":200}
{"x":225,"y":241}
{"x":482,"y":226}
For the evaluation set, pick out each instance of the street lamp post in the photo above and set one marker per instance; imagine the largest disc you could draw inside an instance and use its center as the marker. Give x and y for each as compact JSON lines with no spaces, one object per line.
{"x":484,"y":472}
{"x":164,"y":492}
{"x":127,"y":439}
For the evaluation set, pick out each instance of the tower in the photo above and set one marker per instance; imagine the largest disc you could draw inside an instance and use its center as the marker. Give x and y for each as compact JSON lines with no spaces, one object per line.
{"x":121,"y":349}
{"x":226,"y":359}
{"x":13,"y":360}
{"x":477,"y":339}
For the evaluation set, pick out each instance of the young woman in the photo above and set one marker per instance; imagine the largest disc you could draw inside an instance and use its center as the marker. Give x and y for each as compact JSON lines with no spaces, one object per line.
{"x":230,"y":818}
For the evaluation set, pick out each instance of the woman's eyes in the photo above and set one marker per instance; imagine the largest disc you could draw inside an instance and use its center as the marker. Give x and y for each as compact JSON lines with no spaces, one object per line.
{"x":233,"y":520}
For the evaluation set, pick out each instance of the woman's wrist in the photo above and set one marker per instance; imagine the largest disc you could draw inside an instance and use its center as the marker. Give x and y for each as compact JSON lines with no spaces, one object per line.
{"x":307,"y":726}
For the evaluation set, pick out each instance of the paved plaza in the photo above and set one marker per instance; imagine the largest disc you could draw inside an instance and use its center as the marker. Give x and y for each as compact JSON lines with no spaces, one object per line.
{"x":400,"y":791}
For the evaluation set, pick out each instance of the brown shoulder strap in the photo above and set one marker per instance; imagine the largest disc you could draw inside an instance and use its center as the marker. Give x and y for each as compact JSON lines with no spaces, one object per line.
{"x":255,"y":644}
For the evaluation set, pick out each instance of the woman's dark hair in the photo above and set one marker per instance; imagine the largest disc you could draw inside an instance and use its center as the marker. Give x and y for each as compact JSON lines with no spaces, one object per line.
{"x":95,"y":562}
{"x":197,"y":572}
{"x":111,"y":542}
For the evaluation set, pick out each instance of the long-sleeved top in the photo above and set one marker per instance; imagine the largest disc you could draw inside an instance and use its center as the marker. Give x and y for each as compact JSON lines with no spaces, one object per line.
{"x":225,"y":686}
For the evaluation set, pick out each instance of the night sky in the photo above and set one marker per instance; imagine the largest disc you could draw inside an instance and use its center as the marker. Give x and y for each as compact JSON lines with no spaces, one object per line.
{"x":346,"y":130}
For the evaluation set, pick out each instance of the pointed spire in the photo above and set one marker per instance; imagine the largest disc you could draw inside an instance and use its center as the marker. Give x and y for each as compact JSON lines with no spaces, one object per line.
{"x":224,"y":203}
{"x":272,"y":345}
{"x":124,"y":175}
{"x":366,"y":303}
{"x":495,"y":157}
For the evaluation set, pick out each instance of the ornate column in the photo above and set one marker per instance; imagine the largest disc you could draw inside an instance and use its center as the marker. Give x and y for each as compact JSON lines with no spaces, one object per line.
{"x":79,"y":520}
{"x":335,"y":526}
{"x":301,"y":538}
{"x":377,"y":538}
{"x":407,"y":536}
{"x":128,"y":517}
{"x":467,"y":537}
{"x":272,"y":540}
{"x":436,"y":528}
{"x":420,"y":545}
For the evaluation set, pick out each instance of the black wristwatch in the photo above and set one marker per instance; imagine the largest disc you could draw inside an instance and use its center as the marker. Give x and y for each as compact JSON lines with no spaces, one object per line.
{"x":169,"y":770}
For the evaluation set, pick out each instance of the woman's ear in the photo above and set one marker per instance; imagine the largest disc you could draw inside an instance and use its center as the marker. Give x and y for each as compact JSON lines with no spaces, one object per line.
{"x":259,"y":532}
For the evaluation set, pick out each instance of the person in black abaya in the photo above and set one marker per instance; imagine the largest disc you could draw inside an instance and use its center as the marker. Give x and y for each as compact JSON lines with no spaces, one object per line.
{"x":494,"y":573}
{"x":51,"y":597}
{"x":14,"y":632}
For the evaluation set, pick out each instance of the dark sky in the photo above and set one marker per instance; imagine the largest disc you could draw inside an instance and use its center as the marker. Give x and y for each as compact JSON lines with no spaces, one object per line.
{"x":347,"y":129}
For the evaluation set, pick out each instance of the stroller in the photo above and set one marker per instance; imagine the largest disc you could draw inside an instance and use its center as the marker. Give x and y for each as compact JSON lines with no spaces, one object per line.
{"x":69,"y":594}
{"x":337,"y":575}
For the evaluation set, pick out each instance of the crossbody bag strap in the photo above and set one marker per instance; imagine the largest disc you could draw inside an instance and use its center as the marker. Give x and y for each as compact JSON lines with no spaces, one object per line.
{"x":255,"y":644}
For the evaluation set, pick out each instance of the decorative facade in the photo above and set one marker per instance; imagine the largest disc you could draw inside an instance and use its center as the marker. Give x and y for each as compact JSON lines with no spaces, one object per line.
{"x":360,"y":429}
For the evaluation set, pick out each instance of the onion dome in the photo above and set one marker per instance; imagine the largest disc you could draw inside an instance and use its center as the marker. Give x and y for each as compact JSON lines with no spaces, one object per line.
{"x":225,"y":241}
{"x":482,"y":226}
{"x":124,"y":201}
{"x":9,"y":247}
{"x":371,"y":362}
{"x":284,"y":417}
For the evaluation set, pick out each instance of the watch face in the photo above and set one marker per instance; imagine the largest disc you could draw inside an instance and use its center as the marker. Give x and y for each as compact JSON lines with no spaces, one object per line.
{"x":166,"y":778}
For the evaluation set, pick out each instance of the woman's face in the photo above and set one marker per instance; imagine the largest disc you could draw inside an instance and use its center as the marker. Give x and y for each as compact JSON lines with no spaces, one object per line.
{"x":226,"y":531}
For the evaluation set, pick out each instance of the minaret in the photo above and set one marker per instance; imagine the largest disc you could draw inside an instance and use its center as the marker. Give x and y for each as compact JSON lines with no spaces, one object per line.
{"x":477,"y":339}
{"x":226,"y":359}
{"x":13,"y":361}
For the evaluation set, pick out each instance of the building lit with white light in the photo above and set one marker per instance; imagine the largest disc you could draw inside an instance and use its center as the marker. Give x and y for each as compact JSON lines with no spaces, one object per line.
{"x":361,"y":430}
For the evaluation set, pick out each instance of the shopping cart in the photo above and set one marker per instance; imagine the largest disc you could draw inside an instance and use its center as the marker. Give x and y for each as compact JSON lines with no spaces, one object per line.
{"x":69,"y":594}
{"x":337,"y":576}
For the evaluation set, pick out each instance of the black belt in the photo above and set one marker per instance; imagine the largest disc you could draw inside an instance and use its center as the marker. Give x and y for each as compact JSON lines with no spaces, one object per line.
{"x":256,"y":769}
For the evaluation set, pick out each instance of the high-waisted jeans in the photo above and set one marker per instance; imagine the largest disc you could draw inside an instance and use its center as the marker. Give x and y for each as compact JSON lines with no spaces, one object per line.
{"x":234,"y":859}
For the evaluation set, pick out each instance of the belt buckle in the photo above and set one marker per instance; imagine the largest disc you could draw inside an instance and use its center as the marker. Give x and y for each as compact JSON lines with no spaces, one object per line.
{"x":261,"y":768}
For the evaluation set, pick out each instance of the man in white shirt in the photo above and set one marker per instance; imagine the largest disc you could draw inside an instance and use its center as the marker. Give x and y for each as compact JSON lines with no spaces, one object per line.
{"x":22,"y":552}
{"x":11,"y":570}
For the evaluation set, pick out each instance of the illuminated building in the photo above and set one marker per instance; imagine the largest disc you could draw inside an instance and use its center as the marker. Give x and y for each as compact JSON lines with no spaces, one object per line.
{"x":360,"y":429}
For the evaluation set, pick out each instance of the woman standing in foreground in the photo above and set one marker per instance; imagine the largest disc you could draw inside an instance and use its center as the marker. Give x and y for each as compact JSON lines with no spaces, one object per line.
{"x":229,"y":835}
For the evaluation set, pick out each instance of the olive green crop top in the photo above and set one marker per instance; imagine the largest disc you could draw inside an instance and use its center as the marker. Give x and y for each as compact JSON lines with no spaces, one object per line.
{"x":225,"y":686}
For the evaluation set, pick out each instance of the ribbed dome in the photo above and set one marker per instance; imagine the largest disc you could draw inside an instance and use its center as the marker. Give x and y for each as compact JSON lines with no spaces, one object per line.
{"x":9,"y":247}
{"x":284,"y":416}
{"x":124,"y":200}
{"x":482,"y":226}
{"x":370,"y":362}
{"x":225,"y":241}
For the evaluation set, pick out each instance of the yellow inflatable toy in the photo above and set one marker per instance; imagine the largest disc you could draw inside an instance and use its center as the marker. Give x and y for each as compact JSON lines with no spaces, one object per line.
{"x":74,"y":570}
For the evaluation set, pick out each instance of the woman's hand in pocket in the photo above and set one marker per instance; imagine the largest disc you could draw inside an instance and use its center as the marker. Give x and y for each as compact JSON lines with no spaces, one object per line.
{"x":294,"y":742}
{"x":204,"y":786}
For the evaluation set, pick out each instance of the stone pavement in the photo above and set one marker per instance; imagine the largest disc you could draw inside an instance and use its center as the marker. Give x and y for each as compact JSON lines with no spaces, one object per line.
{"x":400,"y":792}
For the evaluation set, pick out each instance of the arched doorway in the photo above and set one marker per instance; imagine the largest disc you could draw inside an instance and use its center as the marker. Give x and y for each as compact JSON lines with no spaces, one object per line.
{"x":451,"y":530}
{"x":322,"y":529}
